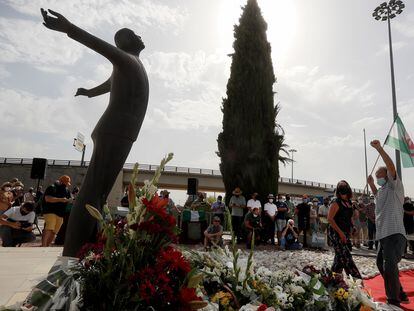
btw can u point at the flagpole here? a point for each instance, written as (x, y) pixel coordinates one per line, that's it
(376, 161)
(366, 160)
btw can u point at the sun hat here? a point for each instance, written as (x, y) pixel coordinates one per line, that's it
(237, 191)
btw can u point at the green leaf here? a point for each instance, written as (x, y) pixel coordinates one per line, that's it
(94, 212)
(195, 280)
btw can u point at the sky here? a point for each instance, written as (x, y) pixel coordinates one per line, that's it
(330, 59)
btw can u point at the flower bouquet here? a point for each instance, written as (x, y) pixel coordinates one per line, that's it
(133, 265)
(231, 282)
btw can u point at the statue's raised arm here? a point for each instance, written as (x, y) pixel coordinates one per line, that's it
(56, 21)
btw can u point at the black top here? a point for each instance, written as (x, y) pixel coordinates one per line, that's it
(281, 215)
(58, 191)
(303, 210)
(343, 216)
(253, 221)
(409, 219)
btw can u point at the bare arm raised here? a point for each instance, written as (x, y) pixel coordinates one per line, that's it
(385, 157)
(56, 21)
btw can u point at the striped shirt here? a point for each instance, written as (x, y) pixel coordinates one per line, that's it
(389, 212)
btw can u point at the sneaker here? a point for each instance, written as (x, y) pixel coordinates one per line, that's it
(404, 298)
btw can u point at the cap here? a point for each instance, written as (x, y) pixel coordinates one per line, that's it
(65, 179)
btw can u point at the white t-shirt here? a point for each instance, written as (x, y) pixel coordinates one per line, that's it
(254, 203)
(270, 208)
(14, 213)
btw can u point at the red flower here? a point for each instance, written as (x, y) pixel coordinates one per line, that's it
(147, 290)
(173, 260)
(96, 248)
(187, 295)
(262, 307)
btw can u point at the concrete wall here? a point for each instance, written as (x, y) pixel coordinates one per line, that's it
(168, 180)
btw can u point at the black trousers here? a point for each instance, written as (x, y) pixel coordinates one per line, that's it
(237, 222)
(390, 252)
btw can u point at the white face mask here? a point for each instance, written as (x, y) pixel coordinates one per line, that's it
(271, 200)
(254, 215)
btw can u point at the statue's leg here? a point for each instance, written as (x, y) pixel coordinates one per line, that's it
(108, 157)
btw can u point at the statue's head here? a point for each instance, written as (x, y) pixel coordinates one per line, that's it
(128, 41)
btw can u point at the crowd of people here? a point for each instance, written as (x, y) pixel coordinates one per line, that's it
(382, 220)
(19, 211)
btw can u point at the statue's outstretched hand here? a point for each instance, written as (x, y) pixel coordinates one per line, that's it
(81, 91)
(60, 23)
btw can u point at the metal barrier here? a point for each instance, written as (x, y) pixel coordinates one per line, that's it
(170, 169)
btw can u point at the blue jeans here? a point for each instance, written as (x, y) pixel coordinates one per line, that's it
(290, 246)
(11, 237)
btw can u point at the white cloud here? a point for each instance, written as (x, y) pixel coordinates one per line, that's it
(396, 46)
(323, 90)
(37, 115)
(93, 13)
(199, 113)
(29, 42)
(4, 73)
(179, 70)
(368, 122)
(297, 125)
(406, 25)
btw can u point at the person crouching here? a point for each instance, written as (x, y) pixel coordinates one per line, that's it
(16, 225)
(253, 223)
(213, 234)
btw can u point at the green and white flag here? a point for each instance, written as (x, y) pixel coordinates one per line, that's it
(400, 140)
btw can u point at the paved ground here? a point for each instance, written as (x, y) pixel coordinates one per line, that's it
(21, 268)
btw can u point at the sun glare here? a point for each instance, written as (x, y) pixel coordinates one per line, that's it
(280, 16)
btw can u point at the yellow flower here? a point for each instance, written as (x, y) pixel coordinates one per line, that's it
(217, 296)
(224, 301)
(341, 291)
(346, 294)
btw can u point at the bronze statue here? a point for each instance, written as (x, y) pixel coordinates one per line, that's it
(116, 130)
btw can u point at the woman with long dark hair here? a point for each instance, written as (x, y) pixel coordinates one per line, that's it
(340, 220)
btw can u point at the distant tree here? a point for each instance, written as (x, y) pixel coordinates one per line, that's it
(251, 141)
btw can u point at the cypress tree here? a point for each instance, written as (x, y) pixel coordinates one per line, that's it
(250, 142)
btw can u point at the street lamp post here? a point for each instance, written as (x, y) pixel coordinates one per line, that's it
(385, 12)
(292, 151)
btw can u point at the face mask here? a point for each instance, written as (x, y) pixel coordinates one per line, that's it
(315, 203)
(270, 200)
(305, 200)
(371, 201)
(254, 215)
(381, 181)
(343, 190)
